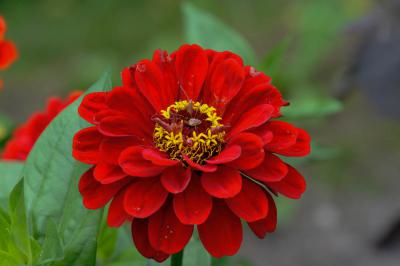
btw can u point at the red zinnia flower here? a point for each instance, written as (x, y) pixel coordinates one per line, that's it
(189, 139)
(25, 136)
(8, 51)
(8, 54)
(3, 27)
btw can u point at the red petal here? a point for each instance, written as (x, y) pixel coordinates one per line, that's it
(191, 67)
(127, 76)
(292, 185)
(274, 97)
(121, 126)
(144, 197)
(116, 214)
(267, 224)
(142, 243)
(8, 53)
(104, 114)
(284, 135)
(193, 205)
(226, 182)
(246, 99)
(167, 233)
(252, 151)
(252, 118)
(85, 147)
(271, 169)
(264, 133)
(226, 82)
(301, 147)
(108, 173)
(207, 168)
(95, 195)
(250, 204)
(176, 179)
(150, 82)
(158, 157)
(222, 233)
(167, 66)
(111, 148)
(129, 102)
(133, 163)
(215, 59)
(228, 154)
(122, 99)
(92, 104)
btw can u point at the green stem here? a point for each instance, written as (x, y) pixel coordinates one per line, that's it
(177, 259)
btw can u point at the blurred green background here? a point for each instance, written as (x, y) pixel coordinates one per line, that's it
(305, 45)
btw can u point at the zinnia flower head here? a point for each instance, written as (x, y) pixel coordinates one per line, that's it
(25, 136)
(190, 139)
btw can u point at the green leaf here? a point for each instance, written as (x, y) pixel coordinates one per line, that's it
(273, 61)
(19, 233)
(7, 259)
(310, 106)
(5, 223)
(124, 253)
(10, 175)
(51, 178)
(52, 246)
(195, 254)
(155, 263)
(230, 261)
(5, 128)
(107, 241)
(206, 30)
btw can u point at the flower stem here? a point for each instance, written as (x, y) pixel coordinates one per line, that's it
(177, 259)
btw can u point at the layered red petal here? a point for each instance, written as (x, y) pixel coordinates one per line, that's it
(107, 173)
(252, 118)
(284, 135)
(140, 238)
(150, 82)
(86, 143)
(252, 152)
(229, 154)
(268, 224)
(222, 232)
(167, 233)
(116, 213)
(144, 197)
(226, 182)
(132, 162)
(251, 204)
(271, 169)
(92, 104)
(176, 179)
(193, 205)
(292, 185)
(300, 148)
(95, 195)
(191, 68)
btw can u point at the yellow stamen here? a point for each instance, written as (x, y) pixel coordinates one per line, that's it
(199, 146)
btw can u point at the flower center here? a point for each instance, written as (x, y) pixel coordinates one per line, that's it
(189, 128)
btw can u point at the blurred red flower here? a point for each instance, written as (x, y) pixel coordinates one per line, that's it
(25, 136)
(8, 54)
(3, 27)
(190, 138)
(8, 51)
